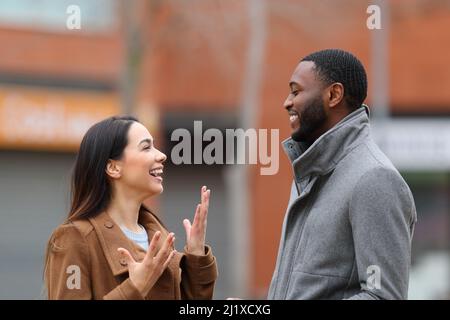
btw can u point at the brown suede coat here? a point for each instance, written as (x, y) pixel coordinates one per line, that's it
(83, 263)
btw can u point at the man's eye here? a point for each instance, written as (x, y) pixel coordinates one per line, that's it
(147, 148)
(294, 93)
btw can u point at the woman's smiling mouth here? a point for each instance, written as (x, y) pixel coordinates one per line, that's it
(157, 173)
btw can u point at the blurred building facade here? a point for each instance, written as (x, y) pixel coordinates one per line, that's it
(228, 64)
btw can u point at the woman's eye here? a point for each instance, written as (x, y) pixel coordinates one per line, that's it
(147, 148)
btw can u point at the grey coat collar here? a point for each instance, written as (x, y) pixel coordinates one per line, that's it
(326, 152)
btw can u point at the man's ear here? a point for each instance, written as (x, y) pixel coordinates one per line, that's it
(335, 94)
(113, 169)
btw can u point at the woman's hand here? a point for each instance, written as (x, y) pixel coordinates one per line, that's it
(145, 274)
(196, 233)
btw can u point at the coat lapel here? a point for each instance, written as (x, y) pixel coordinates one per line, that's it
(111, 238)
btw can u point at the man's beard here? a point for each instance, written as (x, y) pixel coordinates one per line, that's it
(312, 117)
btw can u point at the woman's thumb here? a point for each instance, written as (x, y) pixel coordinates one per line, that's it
(126, 254)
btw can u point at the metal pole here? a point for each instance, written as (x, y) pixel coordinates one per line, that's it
(380, 64)
(238, 175)
(131, 56)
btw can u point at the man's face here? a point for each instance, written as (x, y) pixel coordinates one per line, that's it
(305, 103)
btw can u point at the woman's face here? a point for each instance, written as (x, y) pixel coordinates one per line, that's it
(141, 166)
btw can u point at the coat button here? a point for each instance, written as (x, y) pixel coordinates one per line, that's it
(109, 224)
(123, 262)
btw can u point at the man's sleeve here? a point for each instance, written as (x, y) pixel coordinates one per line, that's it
(382, 215)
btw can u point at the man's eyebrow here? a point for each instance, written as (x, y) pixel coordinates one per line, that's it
(146, 140)
(293, 83)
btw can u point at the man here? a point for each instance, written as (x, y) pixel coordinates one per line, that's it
(350, 218)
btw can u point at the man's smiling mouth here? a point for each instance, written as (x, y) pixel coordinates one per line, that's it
(293, 115)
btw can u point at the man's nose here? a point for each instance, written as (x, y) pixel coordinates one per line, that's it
(288, 103)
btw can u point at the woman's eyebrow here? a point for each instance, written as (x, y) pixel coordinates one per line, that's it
(149, 141)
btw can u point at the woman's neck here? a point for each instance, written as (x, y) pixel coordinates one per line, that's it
(124, 211)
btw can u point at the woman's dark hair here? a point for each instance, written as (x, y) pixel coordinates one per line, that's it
(91, 190)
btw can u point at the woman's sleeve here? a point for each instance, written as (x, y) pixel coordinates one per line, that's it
(68, 271)
(198, 275)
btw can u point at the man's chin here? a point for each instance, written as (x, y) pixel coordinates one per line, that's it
(297, 136)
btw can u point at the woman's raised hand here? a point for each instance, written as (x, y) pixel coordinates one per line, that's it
(196, 233)
(145, 274)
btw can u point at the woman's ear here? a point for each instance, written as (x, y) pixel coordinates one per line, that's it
(113, 169)
(335, 94)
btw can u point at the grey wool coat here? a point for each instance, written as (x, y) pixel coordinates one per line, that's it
(350, 220)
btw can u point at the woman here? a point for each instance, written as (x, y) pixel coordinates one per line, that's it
(102, 250)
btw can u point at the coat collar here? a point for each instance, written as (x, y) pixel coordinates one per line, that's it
(111, 238)
(326, 152)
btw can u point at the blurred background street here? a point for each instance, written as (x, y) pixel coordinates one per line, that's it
(227, 63)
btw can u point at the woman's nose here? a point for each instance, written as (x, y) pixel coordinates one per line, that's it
(161, 157)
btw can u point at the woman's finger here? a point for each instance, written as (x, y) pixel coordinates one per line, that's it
(187, 227)
(153, 247)
(169, 258)
(204, 208)
(164, 252)
(206, 203)
(197, 215)
(126, 254)
(203, 195)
